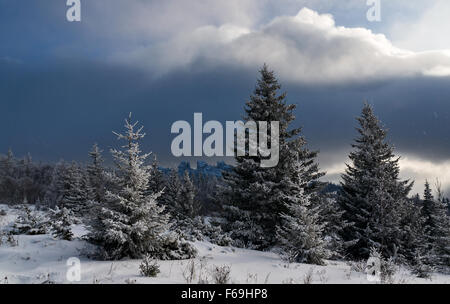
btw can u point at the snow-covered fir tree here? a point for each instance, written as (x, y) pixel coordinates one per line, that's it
(96, 175)
(206, 187)
(156, 182)
(29, 222)
(77, 193)
(61, 221)
(428, 206)
(180, 197)
(437, 228)
(254, 197)
(301, 232)
(188, 205)
(331, 215)
(372, 194)
(172, 192)
(130, 223)
(413, 240)
(58, 185)
(8, 180)
(25, 181)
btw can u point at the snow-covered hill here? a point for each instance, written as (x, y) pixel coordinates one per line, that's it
(37, 259)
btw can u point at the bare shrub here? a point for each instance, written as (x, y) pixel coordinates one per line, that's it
(359, 266)
(189, 273)
(252, 278)
(149, 267)
(307, 279)
(323, 278)
(221, 274)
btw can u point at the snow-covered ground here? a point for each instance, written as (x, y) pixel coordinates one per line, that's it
(36, 259)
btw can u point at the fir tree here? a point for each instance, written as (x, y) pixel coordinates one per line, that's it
(8, 179)
(428, 205)
(172, 193)
(156, 183)
(414, 244)
(61, 221)
(437, 227)
(96, 174)
(372, 194)
(188, 204)
(58, 185)
(29, 222)
(77, 192)
(181, 199)
(254, 197)
(332, 216)
(131, 222)
(300, 234)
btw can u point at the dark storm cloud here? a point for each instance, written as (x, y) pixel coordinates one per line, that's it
(60, 110)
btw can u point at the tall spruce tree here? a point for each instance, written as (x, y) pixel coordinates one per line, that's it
(254, 197)
(372, 194)
(131, 222)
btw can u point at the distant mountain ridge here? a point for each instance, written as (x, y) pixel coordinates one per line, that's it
(203, 168)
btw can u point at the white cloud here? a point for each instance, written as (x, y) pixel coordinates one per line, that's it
(305, 48)
(411, 167)
(429, 31)
(423, 170)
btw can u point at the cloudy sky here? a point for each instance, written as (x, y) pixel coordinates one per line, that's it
(65, 85)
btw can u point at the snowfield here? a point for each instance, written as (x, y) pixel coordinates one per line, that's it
(41, 258)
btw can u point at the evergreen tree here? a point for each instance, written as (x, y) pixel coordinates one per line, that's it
(441, 236)
(156, 183)
(414, 244)
(8, 179)
(372, 194)
(437, 227)
(77, 192)
(58, 185)
(254, 197)
(206, 187)
(172, 192)
(300, 233)
(29, 222)
(25, 181)
(96, 174)
(131, 222)
(188, 204)
(181, 201)
(332, 216)
(61, 221)
(428, 205)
